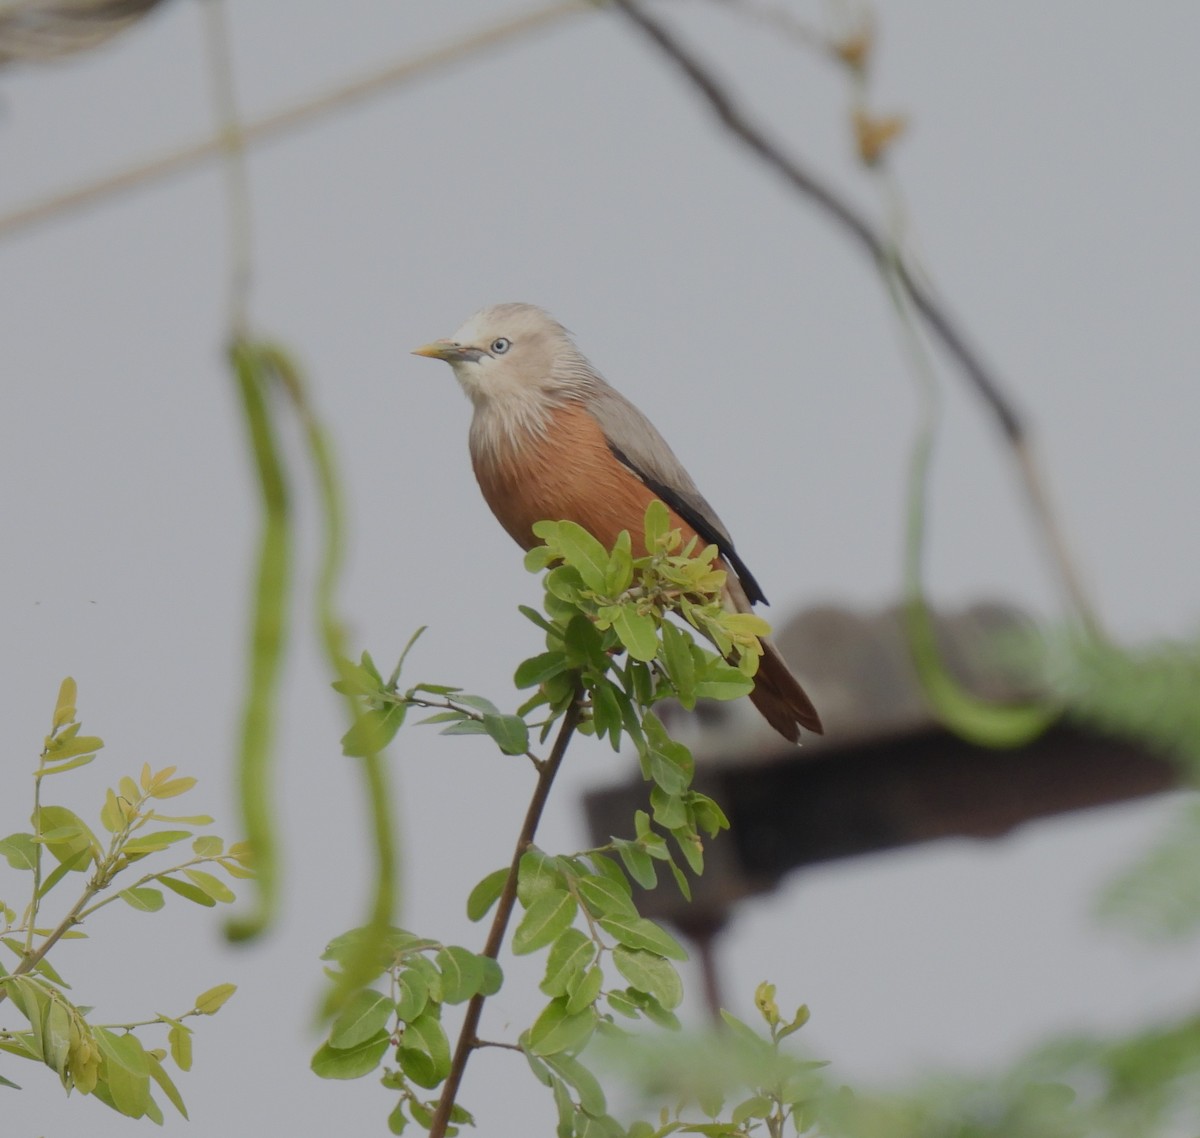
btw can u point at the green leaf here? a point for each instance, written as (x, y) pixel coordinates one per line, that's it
(677, 655)
(492, 979)
(569, 957)
(60, 768)
(537, 873)
(432, 977)
(583, 552)
(210, 1002)
(208, 846)
(124, 1072)
(591, 1096)
(397, 1121)
(658, 524)
(604, 898)
(66, 835)
(509, 731)
(637, 862)
(618, 575)
(486, 893)
(462, 973)
(538, 669)
(188, 890)
(373, 730)
(555, 1030)
(648, 972)
(544, 920)
(670, 810)
(722, 681)
(352, 1062)
(425, 1051)
(19, 850)
(636, 631)
(478, 703)
(412, 994)
(142, 897)
(64, 706)
(179, 1039)
(582, 992)
(759, 1106)
(211, 886)
(464, 727)
(151, 843)
(160, 1076)
(622, 1004)
(638, 932)
(365, 1015)
(607, 713)
(77, 861)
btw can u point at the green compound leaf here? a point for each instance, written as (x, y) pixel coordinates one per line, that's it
(638, 932)
(353, 1062)
(551, 914)
(362, 1019)
(486, 894)
(648, 972)
(569, 957)
(462, 973)
(555, 1030)
(425, 1051)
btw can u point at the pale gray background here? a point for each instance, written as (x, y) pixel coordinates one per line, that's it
(1052, 172)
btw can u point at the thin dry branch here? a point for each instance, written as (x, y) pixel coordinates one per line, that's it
(931, 309)
(302, 113)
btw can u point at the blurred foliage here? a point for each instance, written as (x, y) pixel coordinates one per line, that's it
(270, 383)
(109, 1061)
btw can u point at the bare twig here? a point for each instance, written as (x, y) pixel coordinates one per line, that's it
(931, 309)
(468, 1038)
(297, 115)
(237, 179)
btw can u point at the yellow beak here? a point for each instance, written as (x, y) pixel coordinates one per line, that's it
(439, 350)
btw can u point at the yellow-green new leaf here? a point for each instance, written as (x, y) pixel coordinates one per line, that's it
(211, 886)
(210, 1002)
(160, 1076)
(179, 1039)
(64, 707)
(143, 898)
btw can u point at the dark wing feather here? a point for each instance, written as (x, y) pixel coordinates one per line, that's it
(637, 445)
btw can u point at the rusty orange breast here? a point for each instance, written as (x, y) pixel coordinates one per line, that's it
(568, 475)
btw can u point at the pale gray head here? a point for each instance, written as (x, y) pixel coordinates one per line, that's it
(514, 353)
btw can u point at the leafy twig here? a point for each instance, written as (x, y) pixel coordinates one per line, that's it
(467, 1038)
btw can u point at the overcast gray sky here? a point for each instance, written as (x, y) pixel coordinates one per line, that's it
(1051, 171)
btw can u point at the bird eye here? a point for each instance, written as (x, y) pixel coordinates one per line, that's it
(500, 345)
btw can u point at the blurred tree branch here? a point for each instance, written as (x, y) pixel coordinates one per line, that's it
(299, 114)
(931, 309)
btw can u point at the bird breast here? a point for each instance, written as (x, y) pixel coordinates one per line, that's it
(560, 469)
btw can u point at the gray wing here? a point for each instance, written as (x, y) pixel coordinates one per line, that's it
(637, 445)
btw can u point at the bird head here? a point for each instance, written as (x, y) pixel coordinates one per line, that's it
(511, 350)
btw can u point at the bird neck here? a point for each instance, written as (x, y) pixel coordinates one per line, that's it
(503, 424)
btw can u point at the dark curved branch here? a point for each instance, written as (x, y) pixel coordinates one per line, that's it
(934, 313)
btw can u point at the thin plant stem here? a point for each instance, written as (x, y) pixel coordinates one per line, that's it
(468, 1038)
